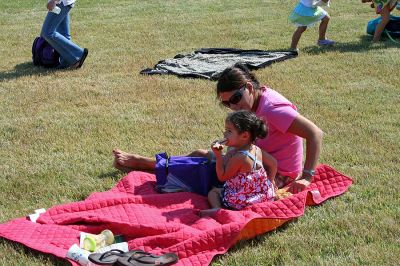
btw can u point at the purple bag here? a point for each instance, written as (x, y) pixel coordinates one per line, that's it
(43, 54)
(182, 173)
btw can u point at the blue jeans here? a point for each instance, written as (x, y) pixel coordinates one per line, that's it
(56, 31)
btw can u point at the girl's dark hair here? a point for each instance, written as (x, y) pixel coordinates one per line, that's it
(247, 121)
(234, 77)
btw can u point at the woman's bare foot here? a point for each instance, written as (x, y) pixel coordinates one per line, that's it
(118, 162)
(128, 162)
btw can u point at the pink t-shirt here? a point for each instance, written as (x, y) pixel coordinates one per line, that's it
(286, 147)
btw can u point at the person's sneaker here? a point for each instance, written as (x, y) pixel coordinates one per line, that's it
(79, 63)
(325, 42)
(294, 50)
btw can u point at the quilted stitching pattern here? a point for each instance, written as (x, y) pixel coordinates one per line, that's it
(160, 223)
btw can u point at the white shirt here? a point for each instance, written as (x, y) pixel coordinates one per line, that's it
(65, 2)
(314, 3)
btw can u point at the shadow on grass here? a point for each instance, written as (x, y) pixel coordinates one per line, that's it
(114, 175)
(361, 46)
(21, 249)
(25, 69)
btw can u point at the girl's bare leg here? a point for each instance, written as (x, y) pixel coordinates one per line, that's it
(385, 14)
(214, 198)
(296, 36)
(323, 26)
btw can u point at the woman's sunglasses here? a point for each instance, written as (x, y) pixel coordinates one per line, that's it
(235, 98)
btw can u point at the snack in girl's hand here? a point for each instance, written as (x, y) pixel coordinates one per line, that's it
(219, 144)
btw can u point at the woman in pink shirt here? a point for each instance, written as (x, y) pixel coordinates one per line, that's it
(238, 89)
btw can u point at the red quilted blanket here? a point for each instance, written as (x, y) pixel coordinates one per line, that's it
(161, 223)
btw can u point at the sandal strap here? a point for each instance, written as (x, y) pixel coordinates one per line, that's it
(112, 252)
(148, 258)
(143, 254)
(138, 255)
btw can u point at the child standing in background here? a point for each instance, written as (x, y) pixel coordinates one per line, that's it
(242, 167)
(383, 8)
(307, 13)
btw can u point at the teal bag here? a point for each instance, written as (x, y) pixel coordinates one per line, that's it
(392, 29)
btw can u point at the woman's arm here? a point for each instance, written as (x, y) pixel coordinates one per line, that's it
(306, 129)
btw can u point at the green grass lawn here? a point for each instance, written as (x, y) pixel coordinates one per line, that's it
(57, 128)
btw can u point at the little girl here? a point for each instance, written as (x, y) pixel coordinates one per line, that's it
(382, 7)
(241, 168)
(307, 13)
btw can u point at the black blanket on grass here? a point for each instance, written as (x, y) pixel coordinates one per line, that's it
(210, 62)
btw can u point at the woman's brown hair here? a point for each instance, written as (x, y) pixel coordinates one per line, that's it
(234, 77)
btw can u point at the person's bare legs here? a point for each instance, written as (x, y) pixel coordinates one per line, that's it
(130, 162)
(323, 26)
(296, 36)
(214, 198)
(385, 14)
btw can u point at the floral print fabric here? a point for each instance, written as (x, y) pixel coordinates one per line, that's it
(248, 188)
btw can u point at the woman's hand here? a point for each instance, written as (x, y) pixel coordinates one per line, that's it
(299, 185)
(51, 4)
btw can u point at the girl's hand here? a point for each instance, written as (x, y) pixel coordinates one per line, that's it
(51, 4)
(217, 148)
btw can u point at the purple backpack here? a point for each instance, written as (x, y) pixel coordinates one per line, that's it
(43, 54)
(183, 173)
